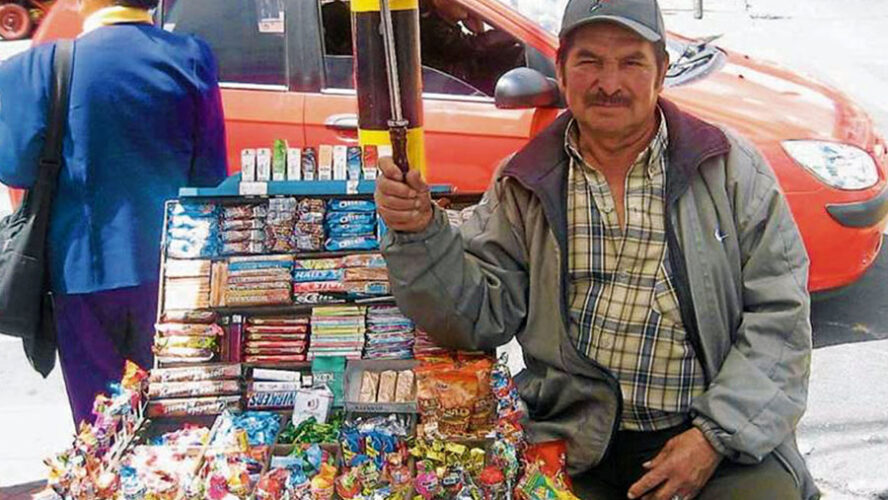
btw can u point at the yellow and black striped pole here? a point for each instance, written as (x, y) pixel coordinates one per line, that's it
(371, 77)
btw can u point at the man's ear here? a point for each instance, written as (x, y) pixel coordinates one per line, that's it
(662, 70)
(560, 77)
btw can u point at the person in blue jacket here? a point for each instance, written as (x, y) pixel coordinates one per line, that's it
(145, 119)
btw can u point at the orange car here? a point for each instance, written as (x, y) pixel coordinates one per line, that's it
(285, 68)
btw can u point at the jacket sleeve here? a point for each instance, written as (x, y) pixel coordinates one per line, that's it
(759, 394)
(25, 81)
(467, 288)
(208, 166)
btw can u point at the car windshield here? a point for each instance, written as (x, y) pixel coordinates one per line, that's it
(689, 61)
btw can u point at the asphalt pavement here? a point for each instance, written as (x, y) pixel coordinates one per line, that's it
(844, 434)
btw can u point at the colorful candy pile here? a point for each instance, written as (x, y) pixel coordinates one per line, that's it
(375, 459)
(310, 431)
(308, 472)
(259, 428)
(88, 469)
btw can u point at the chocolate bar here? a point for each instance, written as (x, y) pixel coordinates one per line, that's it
(162, 390)
(195, 373)
(192, 406)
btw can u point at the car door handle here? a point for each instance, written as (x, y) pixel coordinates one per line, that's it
(342, 122)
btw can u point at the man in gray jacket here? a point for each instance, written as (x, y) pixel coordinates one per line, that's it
(649, 267)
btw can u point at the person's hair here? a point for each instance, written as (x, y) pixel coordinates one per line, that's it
(138, 4)
(567, 42)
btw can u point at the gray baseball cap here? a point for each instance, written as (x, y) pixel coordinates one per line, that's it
(641, 16)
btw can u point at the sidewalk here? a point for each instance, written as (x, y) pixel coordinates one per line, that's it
(844, 434)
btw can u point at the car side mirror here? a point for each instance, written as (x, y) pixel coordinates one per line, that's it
(523, 88)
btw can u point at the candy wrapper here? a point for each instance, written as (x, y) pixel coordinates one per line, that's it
(199, 210)
(162, 390)
(375, 456)
(255, 211)
(268, 400)
(260, 428)
(309, 472)
(196, 373)
(302, 275)
(535, 485)
(310, 431)
(189, 316)
(345, 230)
(243, 224)
(352, 243)
(286, 321)
(192, 406)
(347, 218)
(351, 206)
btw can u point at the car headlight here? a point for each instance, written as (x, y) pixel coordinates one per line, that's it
(841, 166)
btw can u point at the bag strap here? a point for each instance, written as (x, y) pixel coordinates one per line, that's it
(51, 156)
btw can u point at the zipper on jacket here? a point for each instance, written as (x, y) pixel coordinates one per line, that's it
(789, 468)
(611, 380)
(683, 289)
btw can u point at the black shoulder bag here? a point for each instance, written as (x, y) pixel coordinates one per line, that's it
(25, 299)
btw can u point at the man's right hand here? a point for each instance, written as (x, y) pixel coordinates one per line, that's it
(403, 202)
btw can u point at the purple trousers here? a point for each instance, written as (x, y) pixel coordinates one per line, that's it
(97, 332)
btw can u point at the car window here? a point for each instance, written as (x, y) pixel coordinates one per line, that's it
(462, 57)
(247, 36)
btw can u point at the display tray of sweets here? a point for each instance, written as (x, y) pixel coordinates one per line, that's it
(372, 386)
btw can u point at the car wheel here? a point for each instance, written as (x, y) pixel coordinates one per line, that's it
(15, 21)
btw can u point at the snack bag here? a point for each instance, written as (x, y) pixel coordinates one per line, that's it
(457, 391)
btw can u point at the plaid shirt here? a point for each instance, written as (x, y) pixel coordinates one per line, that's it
(623, 308)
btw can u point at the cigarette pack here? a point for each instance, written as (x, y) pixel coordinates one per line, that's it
(325, 162)
(354, 162)
(294, 164)
(276, 386)
(279, 161)
(248, 165)
(371, 160)
(309, 164)
(276, 375)
(263, 165)
(340, 170)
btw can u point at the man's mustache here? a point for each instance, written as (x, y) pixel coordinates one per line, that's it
(601, 99)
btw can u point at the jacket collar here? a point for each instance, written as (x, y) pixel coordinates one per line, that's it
(116, 14)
